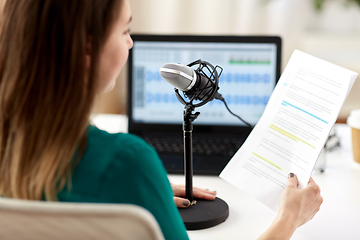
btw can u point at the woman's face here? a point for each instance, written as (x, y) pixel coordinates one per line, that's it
(116, 49)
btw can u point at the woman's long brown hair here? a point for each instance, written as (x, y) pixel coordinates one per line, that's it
(46, 92)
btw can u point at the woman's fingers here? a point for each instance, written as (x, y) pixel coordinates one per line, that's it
(204, 194)
(181, 202)
(179, 191)
(292, 180)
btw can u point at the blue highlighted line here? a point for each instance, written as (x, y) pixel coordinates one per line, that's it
(284, 103)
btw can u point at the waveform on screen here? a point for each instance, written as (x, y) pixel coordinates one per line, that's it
(167, 98)
(161, 98)
(224, 78)
(250, 62)
(153, 76)
(244, 78)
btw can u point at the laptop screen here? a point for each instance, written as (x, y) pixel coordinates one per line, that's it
(250, 72)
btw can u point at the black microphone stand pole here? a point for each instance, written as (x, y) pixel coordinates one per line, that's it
(189, 117)
(202, 213)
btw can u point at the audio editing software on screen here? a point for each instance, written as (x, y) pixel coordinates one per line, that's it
(246, 82)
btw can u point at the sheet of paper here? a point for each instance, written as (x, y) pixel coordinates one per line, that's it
(292, 130)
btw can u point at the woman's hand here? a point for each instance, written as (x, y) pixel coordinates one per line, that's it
(179, 193)
(300, 205)
(297, 206)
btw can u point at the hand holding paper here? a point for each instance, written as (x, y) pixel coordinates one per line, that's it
(293, 129)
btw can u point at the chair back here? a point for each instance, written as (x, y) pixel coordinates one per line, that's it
(40, 220)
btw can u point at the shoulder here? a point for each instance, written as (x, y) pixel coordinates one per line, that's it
(125, 149)
(115, 157)
(120, 142)
(114, 139)
(132, 167)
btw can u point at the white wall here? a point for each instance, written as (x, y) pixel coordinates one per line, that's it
(222, 17)
(333, 34)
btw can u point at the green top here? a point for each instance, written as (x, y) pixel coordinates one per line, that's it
(122, 168)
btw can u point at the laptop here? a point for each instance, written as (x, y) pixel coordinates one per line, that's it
(251, 68)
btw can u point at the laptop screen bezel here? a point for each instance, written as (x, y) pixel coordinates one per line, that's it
(141, 128)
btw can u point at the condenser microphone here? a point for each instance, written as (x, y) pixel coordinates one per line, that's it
(200, 84)
(188, 80)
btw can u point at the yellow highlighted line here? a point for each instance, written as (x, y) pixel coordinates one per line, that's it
(289, 135)
(267, 161)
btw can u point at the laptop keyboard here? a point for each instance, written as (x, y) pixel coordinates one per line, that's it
(203, 146)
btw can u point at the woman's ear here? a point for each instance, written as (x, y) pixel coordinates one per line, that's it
(87, 61)
(88, 53)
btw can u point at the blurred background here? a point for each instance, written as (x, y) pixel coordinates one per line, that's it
(328, 29)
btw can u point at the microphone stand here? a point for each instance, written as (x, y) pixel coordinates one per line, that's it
(201, 213)
(189, 117)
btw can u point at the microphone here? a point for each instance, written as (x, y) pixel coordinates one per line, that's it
(201, 84)
(193, 83)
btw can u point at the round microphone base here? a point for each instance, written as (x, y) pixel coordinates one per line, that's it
(204, 214)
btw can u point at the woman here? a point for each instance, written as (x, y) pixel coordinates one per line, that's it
(56, 57)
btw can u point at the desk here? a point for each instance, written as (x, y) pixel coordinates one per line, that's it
(338, 218)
